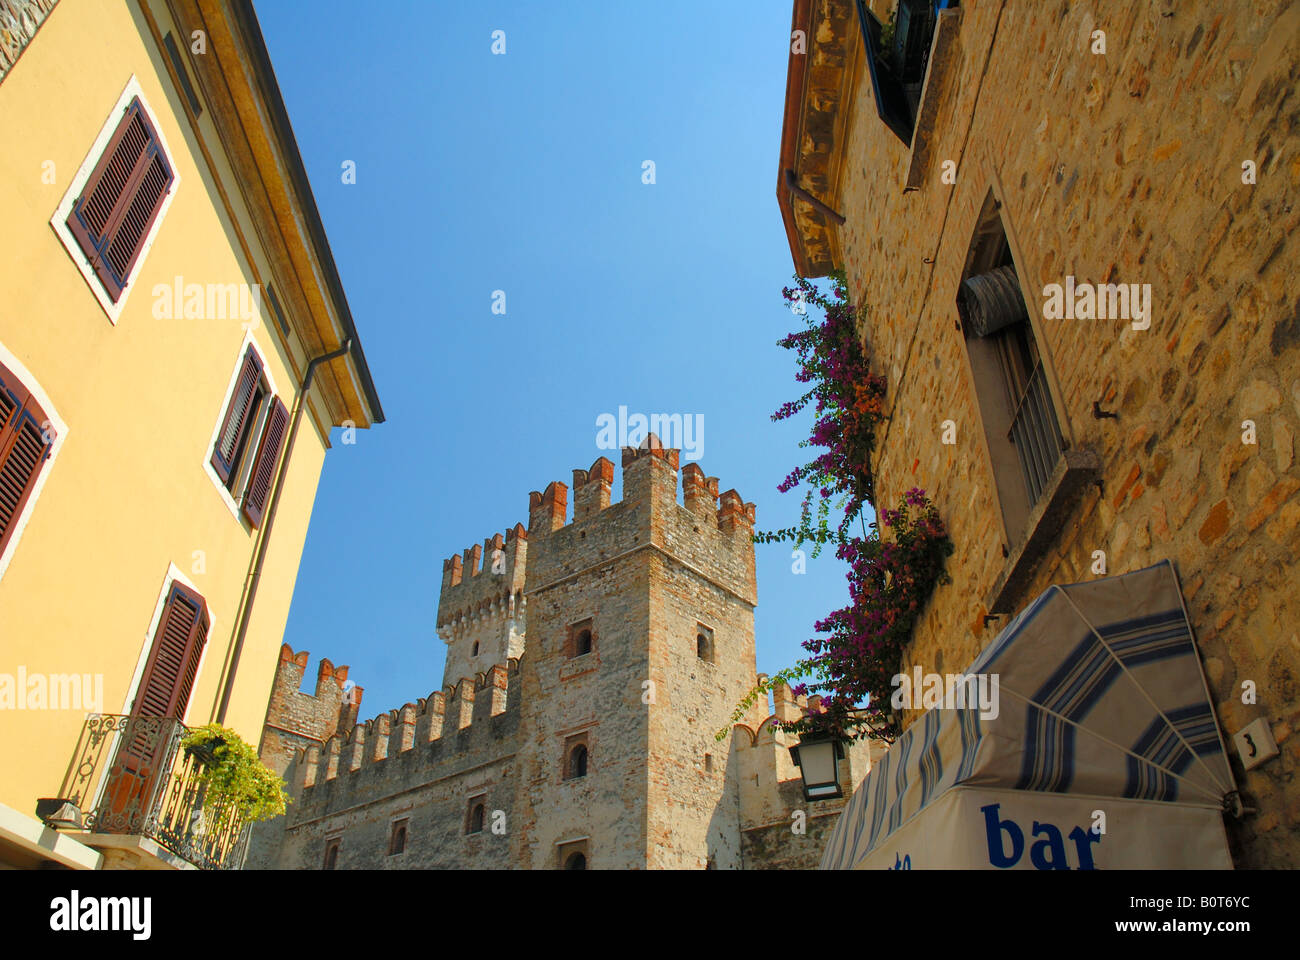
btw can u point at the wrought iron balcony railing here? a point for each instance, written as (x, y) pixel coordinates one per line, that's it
(131, 776)
(19, 21)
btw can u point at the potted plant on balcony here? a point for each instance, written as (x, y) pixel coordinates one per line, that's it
(230, 771)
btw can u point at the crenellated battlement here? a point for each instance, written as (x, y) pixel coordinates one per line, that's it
(649, 475)
(465, 718)
(294, 718)
(771, 784)
(484, 580)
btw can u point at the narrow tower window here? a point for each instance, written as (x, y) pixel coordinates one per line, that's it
(581, 640)
(476, 813)
(397, 842)
(703, 643)
(578, 762)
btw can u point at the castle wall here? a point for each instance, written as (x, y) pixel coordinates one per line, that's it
(297, 720)
(425, 764)
(703, 577)
(779, 828)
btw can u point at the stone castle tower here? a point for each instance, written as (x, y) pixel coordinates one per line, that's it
(588, 666)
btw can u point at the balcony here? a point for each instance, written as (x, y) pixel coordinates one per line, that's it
(134, 793)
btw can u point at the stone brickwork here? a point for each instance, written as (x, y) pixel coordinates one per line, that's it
(1125, 167)
(663, 592)
(305, 720)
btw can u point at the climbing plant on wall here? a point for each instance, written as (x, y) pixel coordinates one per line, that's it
(859, 649)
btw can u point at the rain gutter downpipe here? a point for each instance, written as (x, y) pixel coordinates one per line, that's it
(264, 539)
(792, 182)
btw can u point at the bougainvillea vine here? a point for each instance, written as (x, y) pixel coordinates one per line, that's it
(859, 649)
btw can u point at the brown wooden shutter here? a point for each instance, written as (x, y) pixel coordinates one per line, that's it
(121, 200)
(238, 418)
(268, 456)
(24, 448)
(173, 663)
(139, 770)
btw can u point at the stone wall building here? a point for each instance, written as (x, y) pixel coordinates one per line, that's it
(1060, 143)
(590, 662)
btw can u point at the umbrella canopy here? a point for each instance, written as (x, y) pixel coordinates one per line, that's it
(1101, 708)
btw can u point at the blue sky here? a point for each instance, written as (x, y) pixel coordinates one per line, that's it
(522, 172)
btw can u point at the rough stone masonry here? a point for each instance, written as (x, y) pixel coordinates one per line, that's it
(1169, 159)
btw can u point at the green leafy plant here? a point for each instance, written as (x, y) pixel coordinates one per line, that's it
(887, 30)
(232, 772)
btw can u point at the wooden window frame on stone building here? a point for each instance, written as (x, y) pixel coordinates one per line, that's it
(476, 802)
(398, 834)
(573, 638)
(913, 124)
(333, 846)
(1029, 523)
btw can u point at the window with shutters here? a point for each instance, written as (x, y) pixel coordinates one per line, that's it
(29, 438)
(116, 202)
(1019, 419)
(244, 457)
(1036, 472)
(174, 655)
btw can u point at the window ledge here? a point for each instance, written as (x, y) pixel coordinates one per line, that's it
(943, 54)
(1074, 472)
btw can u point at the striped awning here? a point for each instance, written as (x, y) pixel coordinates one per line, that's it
(1102, 708)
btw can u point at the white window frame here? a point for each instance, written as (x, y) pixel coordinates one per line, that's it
(30, 383)
(60, 219)
(234, 497)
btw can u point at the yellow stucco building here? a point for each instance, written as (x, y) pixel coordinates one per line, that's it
(168, 297)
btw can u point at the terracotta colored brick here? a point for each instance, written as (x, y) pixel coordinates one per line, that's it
(1216, 523)
(1122, 492)
(1281, 491)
